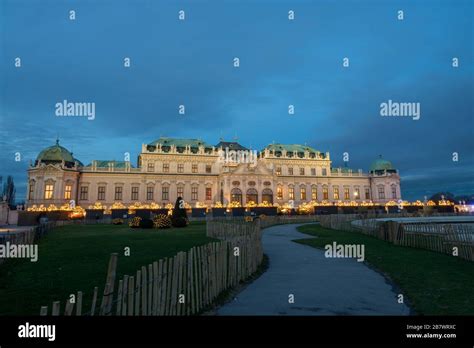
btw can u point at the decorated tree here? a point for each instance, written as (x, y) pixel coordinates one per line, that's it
(179, 217)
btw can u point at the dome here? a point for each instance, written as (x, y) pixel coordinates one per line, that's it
(55, 153)
(381, 164)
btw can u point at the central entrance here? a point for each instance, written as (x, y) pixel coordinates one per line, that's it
(252, 196)
(236, 196)
(267, 196)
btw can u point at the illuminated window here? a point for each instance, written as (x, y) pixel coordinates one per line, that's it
(194, 168)
(291, 193)
(279, 192)
(166, 167)
(101, 193)
(336, 193)
(314, 193)
(208, 193)
(84, 193)
(357, 193)
(49, 191)
(67, 191)
(303, 193)
(235, 195)
(278, 171)
(325, 193)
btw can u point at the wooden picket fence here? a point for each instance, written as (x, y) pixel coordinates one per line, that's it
(441, 238)
(181, 285)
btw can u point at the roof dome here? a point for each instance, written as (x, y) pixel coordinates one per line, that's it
(381, 164)
(55, 153)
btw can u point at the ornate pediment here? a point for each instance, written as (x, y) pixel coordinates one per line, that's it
(50, 168)
(249, 168)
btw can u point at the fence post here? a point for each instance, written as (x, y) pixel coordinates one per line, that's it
(56, 308)
(94, 300)
(107, 298)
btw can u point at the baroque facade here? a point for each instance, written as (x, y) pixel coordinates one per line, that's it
(203, 174)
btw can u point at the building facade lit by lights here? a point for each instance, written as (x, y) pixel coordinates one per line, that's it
(204, 174)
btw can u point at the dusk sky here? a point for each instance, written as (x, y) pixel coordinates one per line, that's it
(282, 62)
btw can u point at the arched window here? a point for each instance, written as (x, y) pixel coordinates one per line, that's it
(236, 195)
(267, 196)
(252, 196)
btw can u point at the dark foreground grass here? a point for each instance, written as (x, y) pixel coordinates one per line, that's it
(436, 284)
(75, 257)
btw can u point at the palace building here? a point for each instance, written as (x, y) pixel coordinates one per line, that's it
(205, 174)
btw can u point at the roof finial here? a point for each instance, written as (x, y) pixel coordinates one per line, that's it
(57, 140)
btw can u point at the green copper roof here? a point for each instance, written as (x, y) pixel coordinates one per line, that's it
(381, 164)
(180, 142)
(105, 164)
(290, 148)
(55, 153)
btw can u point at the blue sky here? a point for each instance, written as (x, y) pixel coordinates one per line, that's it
(282, 62)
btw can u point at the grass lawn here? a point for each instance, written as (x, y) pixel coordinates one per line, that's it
(436, 284)
(75, 257)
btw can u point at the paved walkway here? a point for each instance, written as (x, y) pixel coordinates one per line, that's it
(320, 285)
